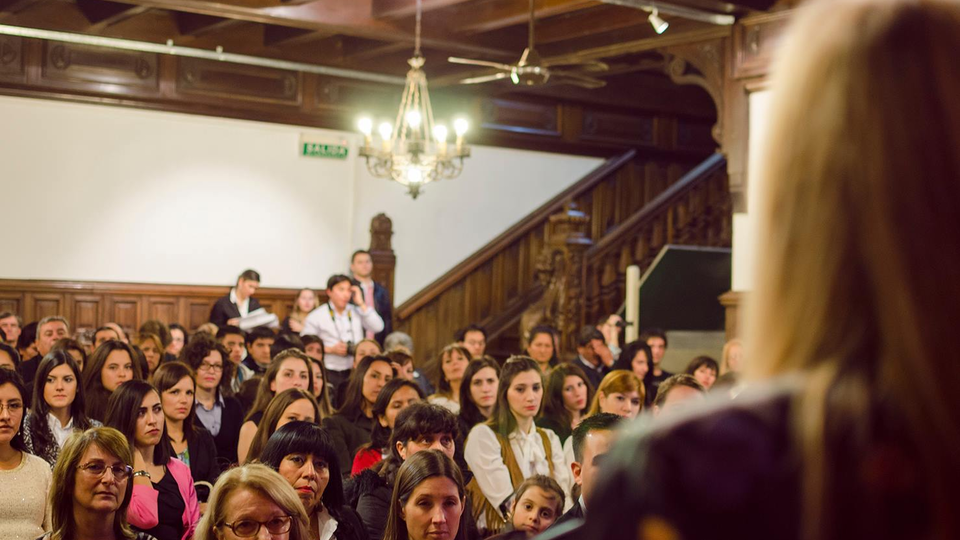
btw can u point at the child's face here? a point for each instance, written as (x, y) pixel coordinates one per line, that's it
(536, 510)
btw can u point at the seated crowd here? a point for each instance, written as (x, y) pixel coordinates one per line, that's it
(203, 414)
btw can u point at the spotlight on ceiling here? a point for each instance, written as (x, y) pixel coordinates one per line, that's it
(659, 25)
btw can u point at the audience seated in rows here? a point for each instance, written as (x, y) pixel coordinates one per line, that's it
(395, 396)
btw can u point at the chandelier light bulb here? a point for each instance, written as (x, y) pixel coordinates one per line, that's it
(366, 125)
(385, 130)
(413, 119)
(440, 133)
(460, 126)
(414, 174)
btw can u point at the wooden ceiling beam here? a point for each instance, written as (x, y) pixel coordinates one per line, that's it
(587, 23)
(497, 14)
(397, 9)
(193, 24)
(277, 36)
(102, 14)
(13, 7)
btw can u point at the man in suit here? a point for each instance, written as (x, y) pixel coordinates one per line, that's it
(375, 295)
(592, 439)
(239, 303)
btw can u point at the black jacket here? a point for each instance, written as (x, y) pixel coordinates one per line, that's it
(371, 495)
(28, 372)
(349, 526)
(381, 303)
(203, 459)
(225, 310)
(225, 443)
(574, 513)
(348, 432)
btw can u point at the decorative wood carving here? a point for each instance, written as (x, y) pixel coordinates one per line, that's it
(11, 57)
(209, 78)
(68, 63)
(381, 252)
(520, 117)
(611, 127)
(700, 64)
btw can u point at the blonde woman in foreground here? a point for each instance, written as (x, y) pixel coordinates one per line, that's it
(851, 426)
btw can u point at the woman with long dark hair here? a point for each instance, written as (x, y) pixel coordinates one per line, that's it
(351, 427)
(293, 405)
(301, 452)
(541, 346)
(478, 393)
(111, 364)
(565, 400)
(508, 448)
(428, 500)
(189, 442)
(58, 406)
(451, 364)
(397, 395)
(164, 502)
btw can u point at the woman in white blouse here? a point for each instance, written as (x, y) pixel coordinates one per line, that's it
(509, 448)
(58, 406)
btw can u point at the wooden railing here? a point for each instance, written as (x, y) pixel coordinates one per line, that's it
(495, 285)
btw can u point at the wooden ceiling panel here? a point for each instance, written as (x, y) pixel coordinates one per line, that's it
(154, 26)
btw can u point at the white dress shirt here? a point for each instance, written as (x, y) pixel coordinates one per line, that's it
(60, 434)
(445, 402)
(242, 307)
(345, 327)
(482, 454)
(327, 524)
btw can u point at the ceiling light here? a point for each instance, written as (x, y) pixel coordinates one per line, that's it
(659, 25)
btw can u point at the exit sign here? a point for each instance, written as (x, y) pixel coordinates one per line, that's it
(322, 150)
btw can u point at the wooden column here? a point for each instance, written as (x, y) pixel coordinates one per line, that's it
(381, 251)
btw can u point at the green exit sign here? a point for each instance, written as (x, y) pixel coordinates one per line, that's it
(320, 150)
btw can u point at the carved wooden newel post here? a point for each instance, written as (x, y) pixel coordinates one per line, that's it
(381, 252)
(560, 272)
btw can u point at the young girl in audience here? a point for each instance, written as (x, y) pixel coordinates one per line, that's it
(58, 406)
(293, 405)
(164, 502)
(509, 448)
(351, 426)
(178, 338)
(111, 364)
(397, 395)
(153, 351)
(539, 503)
(421, 426)
(452, 362)
(704, 369)
(478, 392)
(190, 443)
(429, 500)
(621, 393)
(216, 410)
(92, 488)
(305, 302)
(541, 347)
(253, 501)
(25, 478)
(289, 369)
(74, 348)
(565, 401)
(301, 452)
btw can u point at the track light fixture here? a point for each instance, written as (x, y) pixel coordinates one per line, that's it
(659, 25)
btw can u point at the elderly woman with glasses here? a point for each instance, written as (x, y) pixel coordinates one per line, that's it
(92, 488)
(247, 500)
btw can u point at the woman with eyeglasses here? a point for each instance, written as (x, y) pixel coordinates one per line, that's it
(58, 406)
(301, 452)
(92, 488)
(247, 500)
(189, 442)
(110, 365)
(216, 410)
(164, 502)
(25, 478)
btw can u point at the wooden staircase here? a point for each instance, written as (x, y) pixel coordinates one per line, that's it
(620, 214)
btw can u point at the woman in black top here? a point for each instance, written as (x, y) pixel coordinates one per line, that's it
(301, 452)
(566, 399)
(189, 442)
(216, 410)
(351, 426)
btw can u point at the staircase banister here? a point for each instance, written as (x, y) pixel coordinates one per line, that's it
(516, 232)
(708, 167)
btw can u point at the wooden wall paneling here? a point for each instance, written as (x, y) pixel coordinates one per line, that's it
(11, 58)
(162, 308)
(536, 118)
(197, 312)
(87, 312)
(126, 311)
(12, 302)
(85, 66)
(755, 41)
(221, 79)
(40, 305)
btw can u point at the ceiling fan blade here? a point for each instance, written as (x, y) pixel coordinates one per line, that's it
(586, 65)
(485, 78)
(561, 77)
(472, 62)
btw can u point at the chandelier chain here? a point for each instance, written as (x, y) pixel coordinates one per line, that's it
(416, 46)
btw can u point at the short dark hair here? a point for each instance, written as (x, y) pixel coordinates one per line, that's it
(9, 376)
(28, 336)
(249, 275)
(598, 422)
(14, 355)
(461, 334)
(359, 252)
(122, 411)
(178, 326)
(306, 438)
(336, 279)
(654, 333)
(198, 348)
(230, 330)
(421, 419)
(700, 362)
(284, 341)
(7, 314)
(260, 332)
(588, 334)
(629, 352)
(674, 381)
(380, 436)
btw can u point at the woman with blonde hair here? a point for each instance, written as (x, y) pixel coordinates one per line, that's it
(305, 302)
(731, 358)
(250, 498)
(620, 393)
(851, 427)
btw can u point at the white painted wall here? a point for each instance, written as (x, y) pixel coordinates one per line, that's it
(745, 223)
(452, 219)
(114, 194)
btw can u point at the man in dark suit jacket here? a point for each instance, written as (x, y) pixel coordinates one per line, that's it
(361, 267)
(240, 301)
(591, 440)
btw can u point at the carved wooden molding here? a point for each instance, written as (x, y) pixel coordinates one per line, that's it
(700, 64)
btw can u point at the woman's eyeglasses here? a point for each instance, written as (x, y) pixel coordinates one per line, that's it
(97, 469)
(246, 528)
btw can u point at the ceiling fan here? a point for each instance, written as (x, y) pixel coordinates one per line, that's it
(532, 70)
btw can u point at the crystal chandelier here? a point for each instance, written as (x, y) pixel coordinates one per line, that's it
(414, 150)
